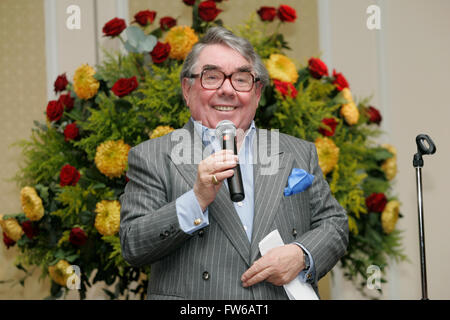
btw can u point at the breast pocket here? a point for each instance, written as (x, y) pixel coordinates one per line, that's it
(294, 217)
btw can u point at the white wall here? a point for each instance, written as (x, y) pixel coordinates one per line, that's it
(405, 66)
(68, 48)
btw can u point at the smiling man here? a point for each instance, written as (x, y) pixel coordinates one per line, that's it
(179, 218)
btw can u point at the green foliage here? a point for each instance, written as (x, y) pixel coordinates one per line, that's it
(158, 101)
(162, 97)
(44, 155)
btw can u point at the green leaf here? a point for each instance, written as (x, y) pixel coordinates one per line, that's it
(137, 41)
(381, 154)
(72, 258)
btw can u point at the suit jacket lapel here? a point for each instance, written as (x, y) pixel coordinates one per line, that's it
(222, 208)
(268, 193)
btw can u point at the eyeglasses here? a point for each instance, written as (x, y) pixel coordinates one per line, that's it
(241, 81)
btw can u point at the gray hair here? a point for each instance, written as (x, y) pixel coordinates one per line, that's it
(219, 35)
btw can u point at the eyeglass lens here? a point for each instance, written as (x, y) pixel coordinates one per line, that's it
(241, 80)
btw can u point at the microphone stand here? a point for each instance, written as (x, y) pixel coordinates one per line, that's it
(424, 146)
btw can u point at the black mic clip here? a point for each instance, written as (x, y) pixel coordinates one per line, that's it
(424, 146)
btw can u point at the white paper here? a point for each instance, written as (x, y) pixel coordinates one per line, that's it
(296, 289)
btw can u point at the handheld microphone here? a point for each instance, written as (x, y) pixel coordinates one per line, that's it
(226, 132)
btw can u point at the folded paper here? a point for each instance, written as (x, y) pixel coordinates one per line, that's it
(296, 289)
(298, 181)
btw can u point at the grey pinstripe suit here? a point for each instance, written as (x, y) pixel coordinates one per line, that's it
(209, 264)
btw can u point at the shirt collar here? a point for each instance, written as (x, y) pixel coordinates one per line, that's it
(208, 134)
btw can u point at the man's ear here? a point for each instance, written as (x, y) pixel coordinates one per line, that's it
(185, 88)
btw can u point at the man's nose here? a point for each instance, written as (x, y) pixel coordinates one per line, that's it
(227, 88)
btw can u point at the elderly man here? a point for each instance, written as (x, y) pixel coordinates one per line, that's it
(178, 216)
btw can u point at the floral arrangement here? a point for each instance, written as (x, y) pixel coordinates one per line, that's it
(76, 162)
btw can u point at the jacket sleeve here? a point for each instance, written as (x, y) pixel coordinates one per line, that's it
(328, 238)
(149, 227)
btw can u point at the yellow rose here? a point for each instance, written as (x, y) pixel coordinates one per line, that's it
(389, 216)
(349, 110)
(107, 220)
(61, 272)
(84, 83)
(328, 154)
(181, 40)
(11, 227)
(389, 166)
(111, 158)
(31, 204)
(281, 68)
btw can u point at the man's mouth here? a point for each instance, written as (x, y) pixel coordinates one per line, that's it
(224, 108)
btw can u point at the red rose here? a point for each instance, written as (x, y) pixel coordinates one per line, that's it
(114, 27)
(61, 83)
(160, 52)
(55, 110)
(189, 2)
(67, 101)
(29, 230)
(331, 123)
(68, 176)
(77, 236)
(287, 13)
(339, 81)
(317, 68)
(8, 241)
(71, 131)
(207, 10)
(145, 17)
(167, 22)
(285, 88)
(267, 13)
(124, 86)
(374, 115)
(376, 202)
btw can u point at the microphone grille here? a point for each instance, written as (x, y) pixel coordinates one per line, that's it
(225, 126)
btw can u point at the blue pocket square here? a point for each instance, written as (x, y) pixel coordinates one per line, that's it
(298, 181)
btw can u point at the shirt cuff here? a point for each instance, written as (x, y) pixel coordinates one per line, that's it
(309, 275)
(190, 215)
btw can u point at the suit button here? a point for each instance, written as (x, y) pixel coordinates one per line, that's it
(294, 232)
(205, 275)
(201, 233)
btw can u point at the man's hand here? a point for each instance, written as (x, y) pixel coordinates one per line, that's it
(279, 266)
(221, 165)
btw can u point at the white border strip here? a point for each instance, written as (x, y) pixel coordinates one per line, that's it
(325, 47)
(323, 10)
(383, 76)
(385, 107)
(51, 46)
(122, 9)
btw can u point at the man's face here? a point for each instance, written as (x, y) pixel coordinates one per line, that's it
(204, 103)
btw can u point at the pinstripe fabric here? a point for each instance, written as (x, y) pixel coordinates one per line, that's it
(150, 233)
